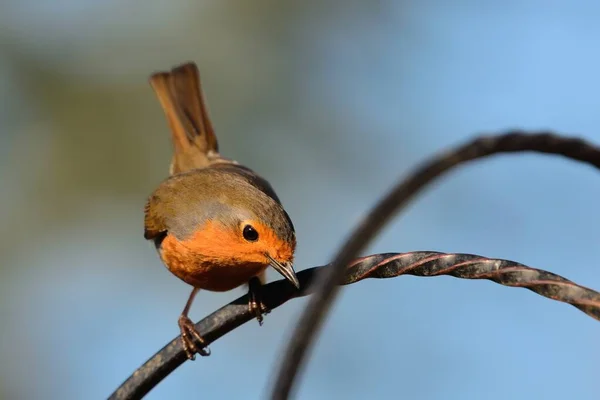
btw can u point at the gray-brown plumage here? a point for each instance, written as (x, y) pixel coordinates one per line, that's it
(222, 191)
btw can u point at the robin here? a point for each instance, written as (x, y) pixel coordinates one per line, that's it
(216, 224)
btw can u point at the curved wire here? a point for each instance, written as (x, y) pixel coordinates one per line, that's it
(420, 263)
(326, 287)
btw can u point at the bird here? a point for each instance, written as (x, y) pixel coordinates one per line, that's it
(215, 223)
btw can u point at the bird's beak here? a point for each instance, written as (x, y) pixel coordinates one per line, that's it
(286, 269)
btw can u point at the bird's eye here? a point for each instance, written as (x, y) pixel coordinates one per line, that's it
(250, 234)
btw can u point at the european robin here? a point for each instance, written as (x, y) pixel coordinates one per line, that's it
(216, 224)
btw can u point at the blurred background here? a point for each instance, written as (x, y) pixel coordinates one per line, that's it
(332, 102)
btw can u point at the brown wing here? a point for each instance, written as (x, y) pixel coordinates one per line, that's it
(163, 205)
(154, 224)
(180, 95)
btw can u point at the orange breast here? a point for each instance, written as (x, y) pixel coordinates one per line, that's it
(205, 261)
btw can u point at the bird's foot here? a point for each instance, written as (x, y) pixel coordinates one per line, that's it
(255, 303)
(190, 338)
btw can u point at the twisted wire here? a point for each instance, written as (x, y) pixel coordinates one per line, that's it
(380, 266)
(470, 266)
(326, 288)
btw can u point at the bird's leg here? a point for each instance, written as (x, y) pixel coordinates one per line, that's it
(190, 337)
(255, 303)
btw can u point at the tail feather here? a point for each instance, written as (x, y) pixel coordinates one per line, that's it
(188, 89)
(180, 95)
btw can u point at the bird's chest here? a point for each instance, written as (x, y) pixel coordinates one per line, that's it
(205, 272)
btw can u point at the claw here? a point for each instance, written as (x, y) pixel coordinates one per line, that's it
(255, 303)
(190, 338)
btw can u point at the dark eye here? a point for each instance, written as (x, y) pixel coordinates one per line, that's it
(250, 233)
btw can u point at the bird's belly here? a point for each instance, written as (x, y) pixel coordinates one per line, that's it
(206, 273)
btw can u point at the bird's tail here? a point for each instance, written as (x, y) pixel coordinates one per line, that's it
(180, 94)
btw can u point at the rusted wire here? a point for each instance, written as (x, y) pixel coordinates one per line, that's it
(315, 312)
(422, 263)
